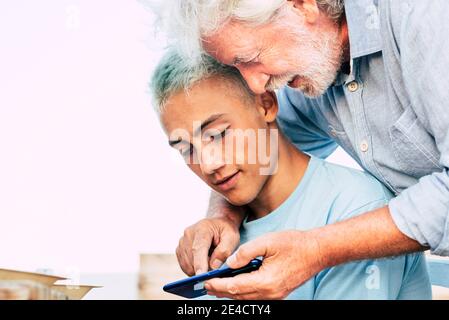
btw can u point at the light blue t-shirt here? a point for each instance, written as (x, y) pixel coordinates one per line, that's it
(329, 193)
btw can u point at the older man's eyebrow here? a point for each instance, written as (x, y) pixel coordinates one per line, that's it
(207, 122)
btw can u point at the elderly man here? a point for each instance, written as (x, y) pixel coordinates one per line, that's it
(370, 76)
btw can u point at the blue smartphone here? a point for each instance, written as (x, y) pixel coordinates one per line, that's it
(193, 287)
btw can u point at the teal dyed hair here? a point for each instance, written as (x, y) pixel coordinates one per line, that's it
(174, 73)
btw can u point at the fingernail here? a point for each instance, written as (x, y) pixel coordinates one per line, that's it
(207, 286)
(231, 259)
(217, 264)
(233, 290)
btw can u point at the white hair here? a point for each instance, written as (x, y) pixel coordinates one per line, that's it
(188, 21)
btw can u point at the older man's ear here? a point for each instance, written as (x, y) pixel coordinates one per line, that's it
(306, 8)
(267, 105)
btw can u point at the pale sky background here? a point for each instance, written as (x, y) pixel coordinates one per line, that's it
(87, 180)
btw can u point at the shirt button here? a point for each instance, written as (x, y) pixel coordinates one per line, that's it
(353, 86)
(364, 146)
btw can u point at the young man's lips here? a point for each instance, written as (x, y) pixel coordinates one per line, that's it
(229, 182)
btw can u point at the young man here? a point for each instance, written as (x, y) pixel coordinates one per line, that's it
(229, 137)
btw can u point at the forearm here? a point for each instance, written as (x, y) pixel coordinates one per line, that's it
(369, 236)
(220, 208)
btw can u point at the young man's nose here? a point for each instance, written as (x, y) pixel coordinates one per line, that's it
(256, 80)
(211, 160)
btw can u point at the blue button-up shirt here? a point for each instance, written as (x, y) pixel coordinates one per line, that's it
(391, 113)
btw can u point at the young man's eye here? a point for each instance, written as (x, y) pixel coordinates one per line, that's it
(216, 134)
(219, 136)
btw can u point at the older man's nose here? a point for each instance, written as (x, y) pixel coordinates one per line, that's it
(257, 81)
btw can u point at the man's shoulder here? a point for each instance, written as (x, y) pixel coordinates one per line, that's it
(349, 179)
(408, 18)
(354, 191)
(298, 111)
(292, 103)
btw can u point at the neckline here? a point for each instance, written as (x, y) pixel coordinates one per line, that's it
(293, 197)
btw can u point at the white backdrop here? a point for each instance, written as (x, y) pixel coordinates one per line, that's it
(87, 180)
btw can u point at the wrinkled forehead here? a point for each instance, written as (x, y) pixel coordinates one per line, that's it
(231, 41)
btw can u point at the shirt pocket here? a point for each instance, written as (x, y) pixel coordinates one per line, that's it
(413, 146)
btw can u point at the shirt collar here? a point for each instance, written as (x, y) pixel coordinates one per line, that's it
(363, 21)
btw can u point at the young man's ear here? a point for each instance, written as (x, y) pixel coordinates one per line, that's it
(267, 105)
(307, 8)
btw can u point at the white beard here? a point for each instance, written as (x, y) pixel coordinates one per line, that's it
(325, 57)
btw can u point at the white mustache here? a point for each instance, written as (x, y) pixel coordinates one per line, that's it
(278, 82)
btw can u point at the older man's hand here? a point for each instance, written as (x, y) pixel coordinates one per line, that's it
(218, 236)
(289, 259)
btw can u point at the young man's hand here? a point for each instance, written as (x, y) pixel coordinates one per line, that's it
(290, 258)
(217, 235)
